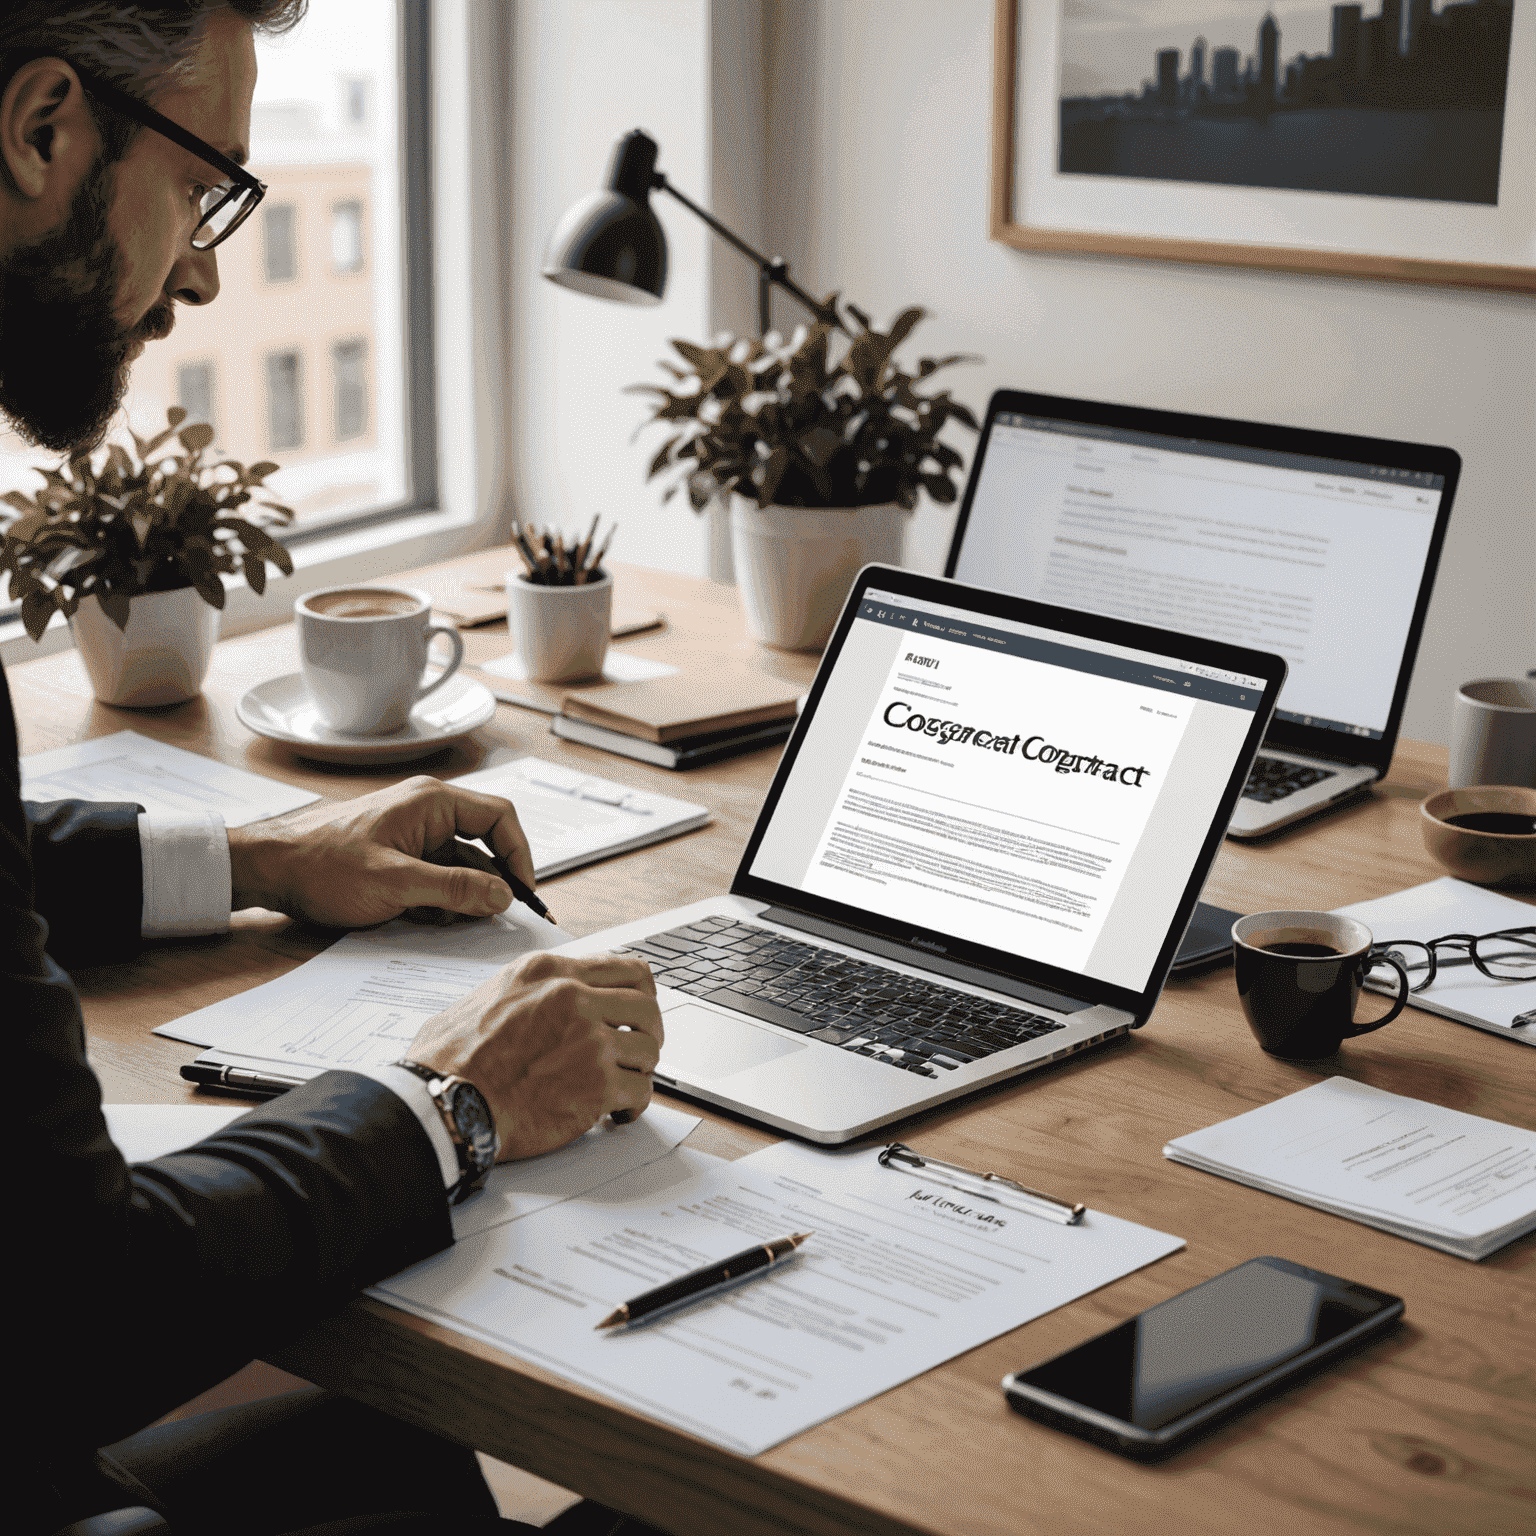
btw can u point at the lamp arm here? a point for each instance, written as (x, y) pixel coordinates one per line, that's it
(771, 269)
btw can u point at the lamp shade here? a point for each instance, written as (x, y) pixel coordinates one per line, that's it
(611, 244)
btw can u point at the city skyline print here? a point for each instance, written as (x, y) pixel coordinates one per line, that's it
(1400, 99)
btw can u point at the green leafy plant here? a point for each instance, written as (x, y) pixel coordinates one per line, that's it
(825, 420)
(114, 529)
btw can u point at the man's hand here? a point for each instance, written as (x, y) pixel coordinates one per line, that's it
(554, 1042)
(360, 863)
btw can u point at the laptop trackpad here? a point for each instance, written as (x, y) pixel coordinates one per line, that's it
(702, 1044)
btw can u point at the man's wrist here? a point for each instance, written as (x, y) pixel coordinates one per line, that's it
(254, 856)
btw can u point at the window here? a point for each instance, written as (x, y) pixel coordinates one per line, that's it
(349, 360)
(347, 237)
(281, 247)
(281, 293)
(194, 390)
(354, 102)
(285, 402)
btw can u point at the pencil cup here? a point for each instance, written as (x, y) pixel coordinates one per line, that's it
(560, 633)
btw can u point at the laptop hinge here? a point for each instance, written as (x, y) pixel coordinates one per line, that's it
(842, 934)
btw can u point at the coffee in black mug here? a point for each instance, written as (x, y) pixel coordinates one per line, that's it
(1299, 976)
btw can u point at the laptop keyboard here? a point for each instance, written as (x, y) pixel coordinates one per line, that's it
(903, 1021)
(1273, 779)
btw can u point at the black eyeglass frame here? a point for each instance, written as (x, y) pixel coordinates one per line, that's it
(1525, 936)
(232, 170)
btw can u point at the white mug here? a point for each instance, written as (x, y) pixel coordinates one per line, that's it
(559, 633)
(1493, 732)
(363, 650)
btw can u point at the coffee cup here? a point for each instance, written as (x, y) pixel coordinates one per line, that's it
(363, 651)
(1493, 732)
(1299, 976)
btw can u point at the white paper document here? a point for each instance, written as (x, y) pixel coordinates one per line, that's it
(144, 1131)
(127, 766)
(362, 1002)
(573, 818)
(1460, 991)
(515, 1190)
(900, 1276)
(1455, 1181)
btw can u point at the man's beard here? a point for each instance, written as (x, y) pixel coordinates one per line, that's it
(63, 356)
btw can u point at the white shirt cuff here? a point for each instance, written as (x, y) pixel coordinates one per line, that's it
(421, 1104)
(185, 859)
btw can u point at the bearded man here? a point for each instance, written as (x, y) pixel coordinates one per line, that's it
(123, 131)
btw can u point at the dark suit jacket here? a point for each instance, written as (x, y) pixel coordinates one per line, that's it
(140, 1287)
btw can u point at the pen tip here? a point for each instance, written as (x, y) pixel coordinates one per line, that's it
(799, 1237)
(614, 1319)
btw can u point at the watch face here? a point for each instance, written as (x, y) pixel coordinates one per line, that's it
(472, 1116)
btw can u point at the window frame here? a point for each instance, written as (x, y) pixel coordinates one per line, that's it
(420, 299)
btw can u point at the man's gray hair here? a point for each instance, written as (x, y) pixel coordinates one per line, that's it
(141, 49)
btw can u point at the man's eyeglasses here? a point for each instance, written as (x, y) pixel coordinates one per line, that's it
(224, 207)
(1507, 955)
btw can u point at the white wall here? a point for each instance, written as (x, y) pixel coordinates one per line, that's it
(878, 154)
(585, 72)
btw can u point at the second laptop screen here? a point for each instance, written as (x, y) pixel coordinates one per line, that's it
(1037, 793)
(1313, 559)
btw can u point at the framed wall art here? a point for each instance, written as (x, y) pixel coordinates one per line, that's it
(1395, 143)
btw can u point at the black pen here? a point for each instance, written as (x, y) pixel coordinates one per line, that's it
(240, 1079)
(702, 1282)
(519, 890)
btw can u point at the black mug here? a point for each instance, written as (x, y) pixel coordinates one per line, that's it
(1299, 976)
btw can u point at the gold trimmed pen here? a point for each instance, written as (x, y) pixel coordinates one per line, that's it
(756, 1260)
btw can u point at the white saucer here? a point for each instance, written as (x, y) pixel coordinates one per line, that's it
(282, 710)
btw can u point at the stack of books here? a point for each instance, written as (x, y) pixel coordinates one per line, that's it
(681, 721)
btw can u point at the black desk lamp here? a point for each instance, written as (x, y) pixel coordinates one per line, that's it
(611, 244)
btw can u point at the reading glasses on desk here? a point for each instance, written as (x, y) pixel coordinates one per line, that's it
(1507, 955)
(900, 1158)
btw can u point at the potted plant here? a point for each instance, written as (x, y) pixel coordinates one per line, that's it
(825, 443)
(131, 553)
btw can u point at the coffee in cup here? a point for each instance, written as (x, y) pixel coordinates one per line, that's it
(363, 603)
(1299, 976)
(363, 651)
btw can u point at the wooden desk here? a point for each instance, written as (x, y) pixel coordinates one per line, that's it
(1432, 1431)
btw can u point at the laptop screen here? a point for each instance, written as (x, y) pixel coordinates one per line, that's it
(1041, 794)
(1315, 559)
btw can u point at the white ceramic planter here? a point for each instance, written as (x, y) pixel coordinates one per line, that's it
(794, 565)
(161, 658)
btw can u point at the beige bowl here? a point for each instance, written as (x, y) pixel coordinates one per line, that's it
(1487, 858)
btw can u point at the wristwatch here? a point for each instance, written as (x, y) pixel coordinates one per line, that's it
(470, 1124)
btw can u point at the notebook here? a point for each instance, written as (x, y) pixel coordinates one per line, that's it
(979, 853)
(687, 705)
(1454, 1181)
(1315, 545)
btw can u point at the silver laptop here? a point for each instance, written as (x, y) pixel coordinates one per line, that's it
(979, 854)
(1318, 546)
